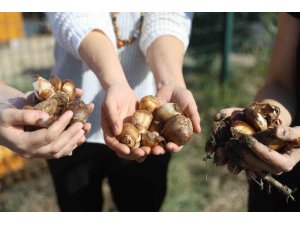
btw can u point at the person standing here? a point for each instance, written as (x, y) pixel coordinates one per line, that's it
(117, 58)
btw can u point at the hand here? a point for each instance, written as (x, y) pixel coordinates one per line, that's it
(53, 142)
(261, 158)
(118, 106)
(186, 101)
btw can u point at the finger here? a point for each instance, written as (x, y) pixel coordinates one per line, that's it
(288, 133)
(191, 112)
(116, 146)
(135, 154)
(71, 145)
(66, 141)
(252, 162)
(112, 115)
(87, 128)
(138, 153)
(146, 149)
(158, 150)
(11, 116)
(42, 137)
(172, 147)
(82, 140)
(90, 107)
(58, 134)
(110, 139)
(278, 161)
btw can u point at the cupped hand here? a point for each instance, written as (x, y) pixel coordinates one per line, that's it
(118, 106)
(259, 157)
(55, 141)
(186, 101)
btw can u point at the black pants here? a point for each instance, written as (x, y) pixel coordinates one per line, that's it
(135, 186)
(263, 201)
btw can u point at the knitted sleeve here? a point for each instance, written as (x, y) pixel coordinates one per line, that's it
(177, 24)
(69, 29)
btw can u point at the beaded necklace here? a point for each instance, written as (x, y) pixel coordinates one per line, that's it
(121, 42)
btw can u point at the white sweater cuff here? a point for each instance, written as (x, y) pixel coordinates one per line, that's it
(70, 29)
(159, 24)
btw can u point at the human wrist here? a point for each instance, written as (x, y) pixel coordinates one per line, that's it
(169, 83)
(171, 79)
(121, 83)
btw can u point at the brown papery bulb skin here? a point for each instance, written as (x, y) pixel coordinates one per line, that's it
(49, 106)
(152, 139)
(255, 119)
(142, 119)
(148, 103)
(178, 129)
(56, 82)
(242, 127)
(80, 111)
(130, 136)
(69, 88)
(43, 89)
(166, 111)
(155, 126)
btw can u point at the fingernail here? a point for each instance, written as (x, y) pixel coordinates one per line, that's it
(280, 131)
(69, 113)
(44, 117)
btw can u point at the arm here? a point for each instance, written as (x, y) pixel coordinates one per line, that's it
(98, 52)
(280, 87)
(165, 58)
(90, 37)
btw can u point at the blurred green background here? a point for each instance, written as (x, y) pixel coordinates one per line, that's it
(243, 40)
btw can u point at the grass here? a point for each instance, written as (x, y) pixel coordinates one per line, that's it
(193, 185)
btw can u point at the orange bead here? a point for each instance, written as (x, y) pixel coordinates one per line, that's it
(120, 44)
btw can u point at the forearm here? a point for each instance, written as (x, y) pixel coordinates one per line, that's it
(99, 54)
(273, 93)
(165, 58)
(280, 88)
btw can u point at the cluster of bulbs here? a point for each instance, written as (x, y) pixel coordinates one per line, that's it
(55, 96)
(154, 124)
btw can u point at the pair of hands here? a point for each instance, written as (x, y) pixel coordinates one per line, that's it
(55, 141)
(120, 103)
(260, 157)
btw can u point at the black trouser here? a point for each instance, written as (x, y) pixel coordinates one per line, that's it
(263, 201)
(135, 186)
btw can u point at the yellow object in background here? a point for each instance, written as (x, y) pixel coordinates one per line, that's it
(11, 26)
(9, 161)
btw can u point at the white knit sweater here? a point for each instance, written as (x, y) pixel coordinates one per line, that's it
(69, 29)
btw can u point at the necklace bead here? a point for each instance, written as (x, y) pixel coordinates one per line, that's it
(135, 34)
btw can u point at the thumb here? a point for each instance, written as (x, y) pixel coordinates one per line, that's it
(288, 133)
(112, 115)
(13, 116)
